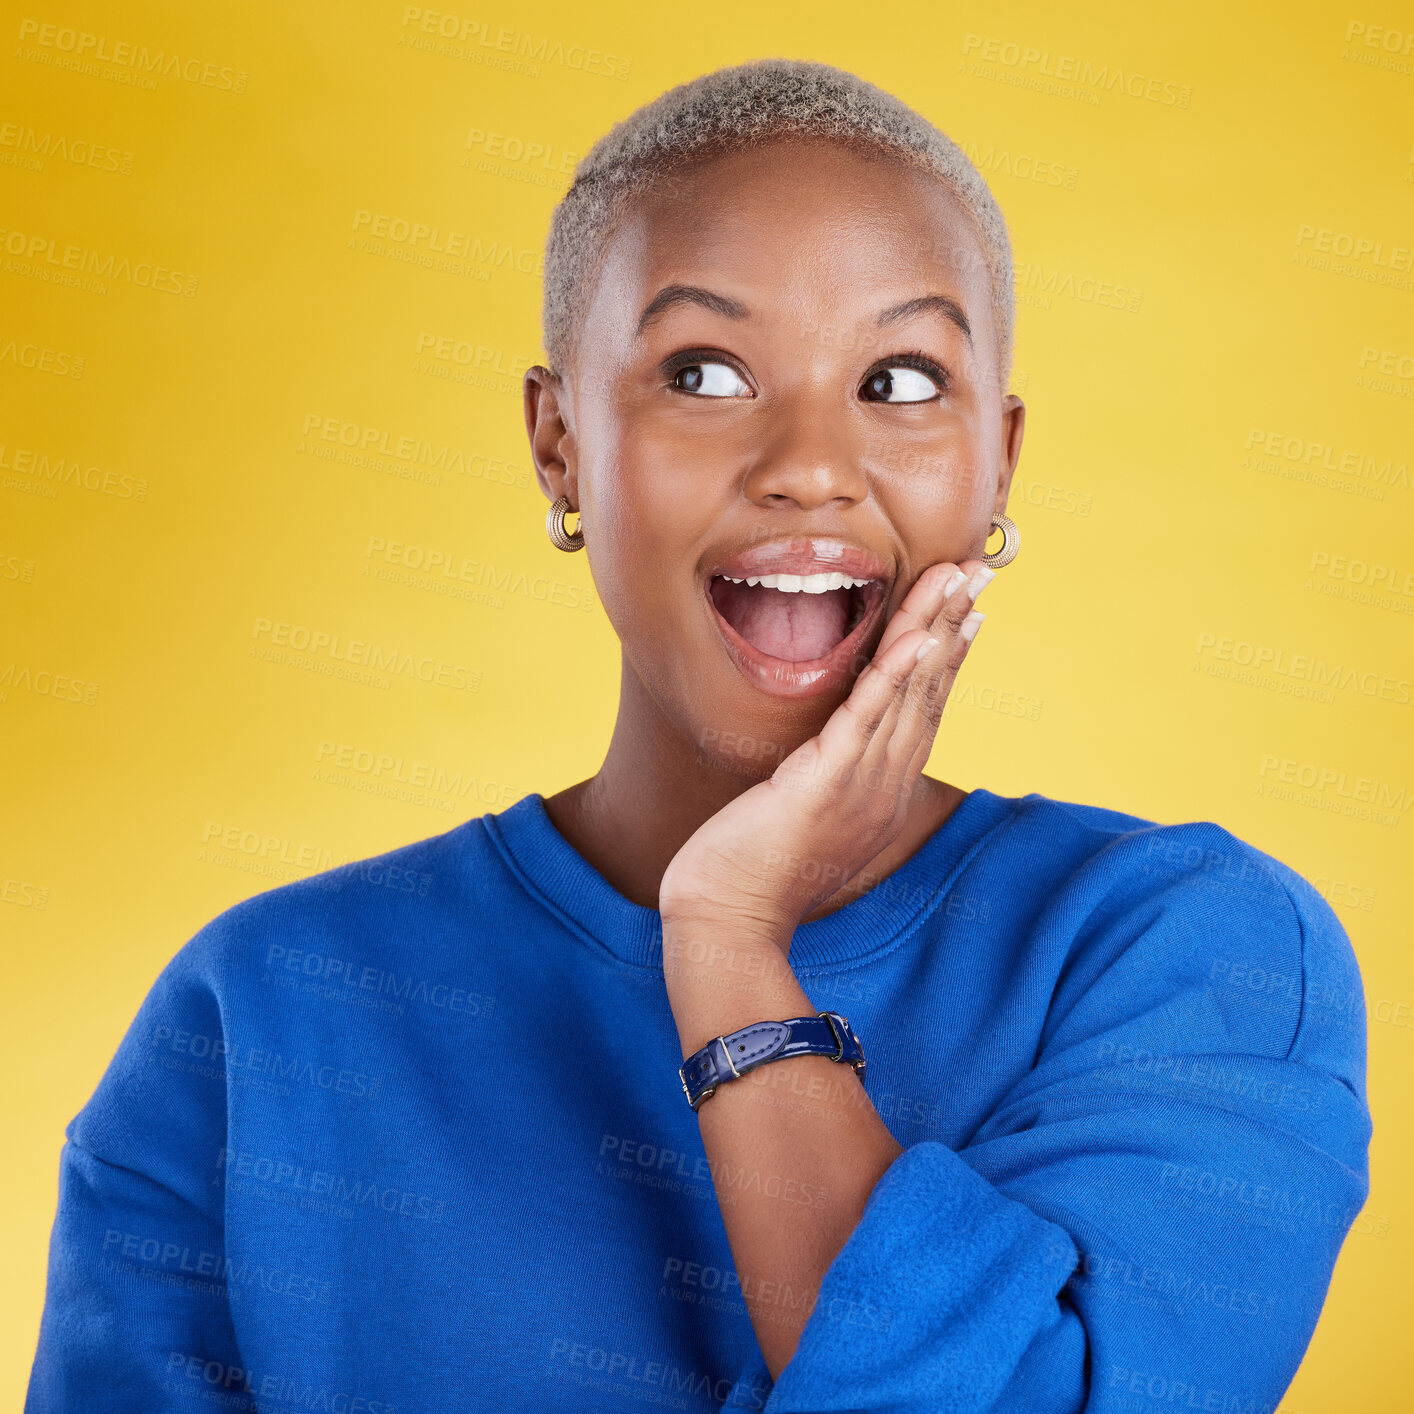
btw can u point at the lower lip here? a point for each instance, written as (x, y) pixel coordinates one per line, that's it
(782, 678)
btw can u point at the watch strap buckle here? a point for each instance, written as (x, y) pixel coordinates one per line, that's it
(729, 1057)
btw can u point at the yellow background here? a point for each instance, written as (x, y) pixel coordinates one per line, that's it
(164, 757)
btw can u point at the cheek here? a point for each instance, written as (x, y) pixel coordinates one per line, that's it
(645, 528)
(936, 485)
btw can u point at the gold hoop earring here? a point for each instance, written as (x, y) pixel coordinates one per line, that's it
(1011, 542)
(560, 538)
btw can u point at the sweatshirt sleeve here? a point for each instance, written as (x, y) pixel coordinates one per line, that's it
(135, 1290)
(1150, 1218)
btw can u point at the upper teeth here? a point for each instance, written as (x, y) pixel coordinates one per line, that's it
(800, 583)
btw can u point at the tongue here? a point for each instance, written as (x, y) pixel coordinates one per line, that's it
(796, 627)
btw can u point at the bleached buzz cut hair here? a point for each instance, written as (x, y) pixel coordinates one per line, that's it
(723, 110)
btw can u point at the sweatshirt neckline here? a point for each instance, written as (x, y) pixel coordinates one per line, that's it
(554, 870)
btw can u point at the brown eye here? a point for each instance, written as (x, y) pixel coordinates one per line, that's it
(711, 380)
(900, 384)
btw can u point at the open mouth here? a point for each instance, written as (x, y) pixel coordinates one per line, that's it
(795, 633)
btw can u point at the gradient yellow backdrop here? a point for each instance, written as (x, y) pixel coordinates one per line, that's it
(269, 275)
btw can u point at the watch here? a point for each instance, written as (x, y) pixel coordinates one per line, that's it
(726, 1058)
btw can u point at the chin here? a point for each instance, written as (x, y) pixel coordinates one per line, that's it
(745, 733)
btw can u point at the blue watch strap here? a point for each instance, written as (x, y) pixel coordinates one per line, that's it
(726, 1058)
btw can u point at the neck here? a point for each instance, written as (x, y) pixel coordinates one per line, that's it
(655, 789)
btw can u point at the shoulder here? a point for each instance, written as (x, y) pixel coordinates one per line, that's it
(1113, 857)
(391, 895)
(254, 975)
(1166, 912)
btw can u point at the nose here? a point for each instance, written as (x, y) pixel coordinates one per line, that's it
(809, 459)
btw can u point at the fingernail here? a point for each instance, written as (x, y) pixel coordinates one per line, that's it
(951, 587)
(970, 625)
(982, 576)
(927, 648)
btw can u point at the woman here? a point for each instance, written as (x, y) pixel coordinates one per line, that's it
(582, 1119)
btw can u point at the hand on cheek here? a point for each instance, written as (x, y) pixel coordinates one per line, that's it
(840, 798)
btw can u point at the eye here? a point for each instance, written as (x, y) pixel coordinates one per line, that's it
(710, 380)
(911, 378)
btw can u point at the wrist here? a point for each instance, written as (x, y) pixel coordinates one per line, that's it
(733, 926)
(735, 909)
(718, 980)
(725, 952)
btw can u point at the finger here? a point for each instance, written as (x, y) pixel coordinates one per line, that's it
(853, 724)
(892, 734)
(920, 605)
(868, 723)
(955, 608)
(935, 694)
(939, 600)
(941, 666)
(920, 707)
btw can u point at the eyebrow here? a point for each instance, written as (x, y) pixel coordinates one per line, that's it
(949, 308)
(671, 295)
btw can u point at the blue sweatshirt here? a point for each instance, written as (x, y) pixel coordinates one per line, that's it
(408, 1136)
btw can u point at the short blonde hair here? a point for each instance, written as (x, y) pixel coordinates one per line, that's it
(723, 109)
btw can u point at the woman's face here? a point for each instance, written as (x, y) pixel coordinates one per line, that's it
(788, 367)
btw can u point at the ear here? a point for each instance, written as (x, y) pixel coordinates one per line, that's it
(548, 418)
(1013, 428)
